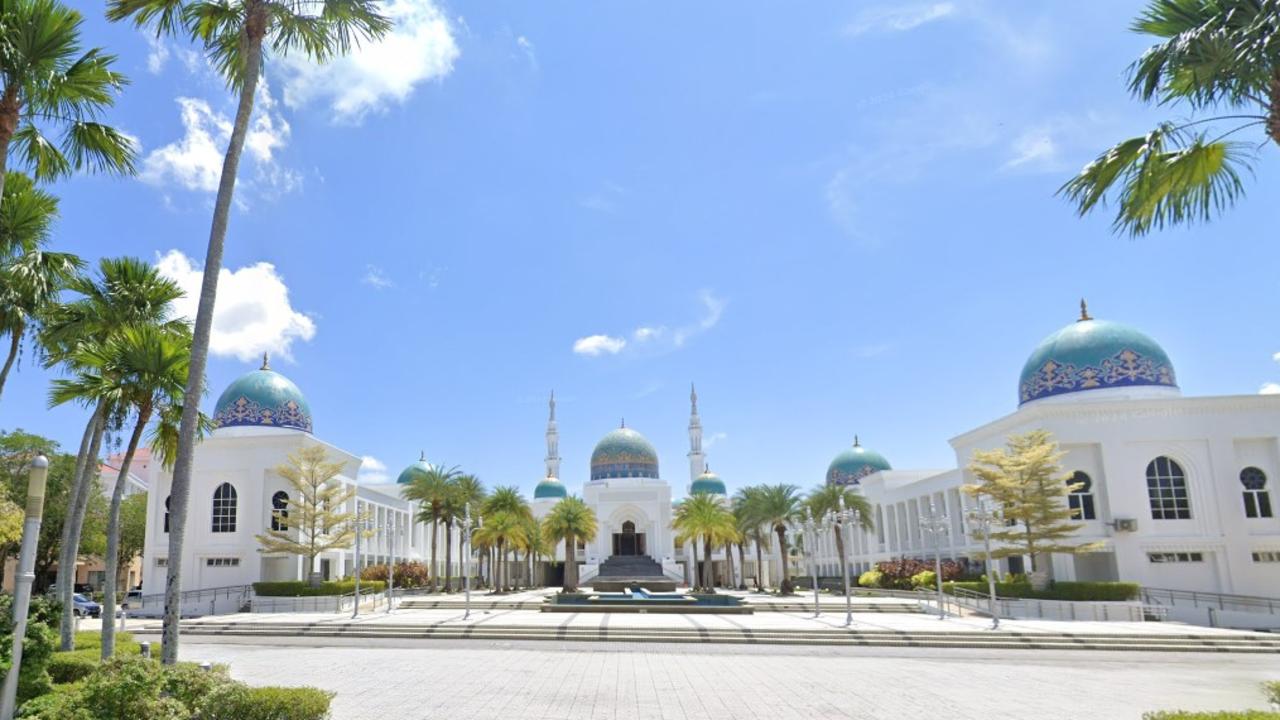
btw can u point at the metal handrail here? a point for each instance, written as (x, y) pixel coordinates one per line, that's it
(193, 595)
(1221, 601)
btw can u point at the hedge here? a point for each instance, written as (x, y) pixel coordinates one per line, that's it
(300, 588)
(1272, 691)
(69, 667)
(1217, 715)
(281, 703)
(1073, 591)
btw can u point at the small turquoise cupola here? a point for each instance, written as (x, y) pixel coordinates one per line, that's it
(1094, 354)
(549, 488)
(708, 483)
(850, 466)
(416, 471)
(624, 453)
(262, 398)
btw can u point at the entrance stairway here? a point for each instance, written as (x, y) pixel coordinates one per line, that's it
(631, 567)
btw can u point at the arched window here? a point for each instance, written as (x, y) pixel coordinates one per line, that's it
(1257, 500)
(629, 528)
(224, 508)
(1167, 490)
(1080, 500)
(166, 513)
(280, 511)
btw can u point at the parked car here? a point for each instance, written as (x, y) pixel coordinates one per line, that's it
(84, 607)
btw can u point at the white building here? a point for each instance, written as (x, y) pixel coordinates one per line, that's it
(1176, 490)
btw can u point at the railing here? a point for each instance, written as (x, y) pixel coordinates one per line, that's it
(1218, 601)
(316, 603)
(196, 599)
(1055, 609)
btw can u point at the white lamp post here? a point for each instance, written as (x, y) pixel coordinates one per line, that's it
(465, 541)
(37, 475)
(811, 549)
(983, 517)
(361, 526)
(846, 520)
(936, 526)
(392, 526)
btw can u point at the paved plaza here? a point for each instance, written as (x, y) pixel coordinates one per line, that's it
(529, 680)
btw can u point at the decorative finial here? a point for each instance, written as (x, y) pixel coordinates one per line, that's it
(693, 398)
(1084, 311)
(855, 441)
(265, 364)
(422, 457)
(553, 404)
(624, 424)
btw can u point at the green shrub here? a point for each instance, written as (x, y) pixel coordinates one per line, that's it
(407, 574)
(870, 578)
(41, 640)
(1216, 715)
(300, 588)
(924, 579)
(1272, 691)
(1074, 591)
(281, 703)
(69, 667)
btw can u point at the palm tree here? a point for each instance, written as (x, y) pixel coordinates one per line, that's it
(235, 34)
(502, 530)
(832, 499)
(751, 527)
(126, 293)
(703, 517)
(145, 368)
(507, 501)
(30, 277)
(433, 490)
(777, 506)
(1218, 59)
(52, 84)
(465, 491)
(569, 521)
(535, 546)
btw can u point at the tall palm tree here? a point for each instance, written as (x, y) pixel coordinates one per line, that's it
(778, 506)
(502, 530)
(826, 498)
(52, 84)
(569, 521)
(146, 368)
(235, 35)
(1218, 59)
(507, 501)
(535, 546)
(30, 277)
(126, 292)
(751, 527)
(465, 491)
(433, 490)
(703, 518)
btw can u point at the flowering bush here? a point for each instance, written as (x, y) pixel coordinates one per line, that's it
(925, 579)
(870, 578)
(408, 574)
(899, 573)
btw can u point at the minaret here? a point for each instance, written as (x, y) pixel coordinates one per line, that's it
(553, 441)
(697, 459)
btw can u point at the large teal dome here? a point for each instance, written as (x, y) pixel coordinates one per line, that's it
(624, 453)
(850, 466)
(707, 483)
(263, 398)
(1093, 355)
(415, 471)
(549, 488)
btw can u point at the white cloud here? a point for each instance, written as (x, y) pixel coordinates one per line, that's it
(714, 438)
(372, 471)
(419, 48)
(657, 337)
(157, 53)
(605, 199)
(526, 47)
(1034, 148)
(1270, 389)
(375, 278)
(898, 19)
(252, 314)
(595, 345)
(194, 162)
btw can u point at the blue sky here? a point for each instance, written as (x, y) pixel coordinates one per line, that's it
(834, 217)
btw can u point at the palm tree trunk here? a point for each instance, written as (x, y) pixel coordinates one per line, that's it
(742, 567)
(435, 571)
(14, 344)
(1273, 116)
(759, 564)
(786, 588)
(448, 553)
(570, 563)
(180, 491)
(697, 566)
(113, 538)
(73, 492)
(728, 566)
(72, 529)
(708, 578)
(501, 581)
(10, 114)
(840, 550)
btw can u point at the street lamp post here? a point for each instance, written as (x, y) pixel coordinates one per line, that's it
(984, 517)
(465, 541)
(37, 475)
(936, 526)
(845, 521)
(392, 525)
(810, 542)
(361, 525)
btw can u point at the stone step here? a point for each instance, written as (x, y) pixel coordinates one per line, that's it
(425, 604)
(870, 638)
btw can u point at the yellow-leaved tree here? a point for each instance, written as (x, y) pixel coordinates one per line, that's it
(315, 518)
(1025, 480)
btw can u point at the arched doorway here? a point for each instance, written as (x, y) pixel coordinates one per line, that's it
(628, 542)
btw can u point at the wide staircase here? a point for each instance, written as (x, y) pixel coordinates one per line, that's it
(632, 567)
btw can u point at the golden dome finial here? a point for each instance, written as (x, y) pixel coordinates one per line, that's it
(855, 441)
(266, 365)
(1084, 311)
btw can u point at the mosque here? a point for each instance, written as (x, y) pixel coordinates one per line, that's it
(1174, 491)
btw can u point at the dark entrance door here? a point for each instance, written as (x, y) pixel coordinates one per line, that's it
(628, 542)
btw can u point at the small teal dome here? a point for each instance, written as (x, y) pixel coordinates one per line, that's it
(707, 483)
(262, 398)
(549, 488)
(850, 466)
(415, 471)
(624, 453)
(1093, 355)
